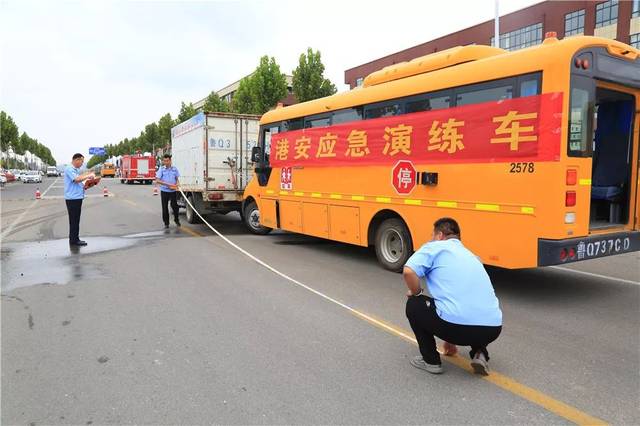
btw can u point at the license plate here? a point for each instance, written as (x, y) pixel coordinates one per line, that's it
(602, 247)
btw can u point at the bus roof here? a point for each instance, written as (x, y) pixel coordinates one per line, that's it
(450, 68)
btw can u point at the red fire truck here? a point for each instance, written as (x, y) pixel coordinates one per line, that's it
(137, 168)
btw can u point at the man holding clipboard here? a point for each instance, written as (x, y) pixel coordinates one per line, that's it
(75, 184)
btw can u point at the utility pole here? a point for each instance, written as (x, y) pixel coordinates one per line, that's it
(496, 36)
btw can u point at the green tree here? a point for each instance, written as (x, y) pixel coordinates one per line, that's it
(268, 85)
(213, 103)
(308, 78)
(243, 100)
(95, 159)
(8, 131)
(186, 112)
(151, 138)
(164, 129)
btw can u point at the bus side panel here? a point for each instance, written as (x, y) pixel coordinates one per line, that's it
(315, 220)
(268, 215)
(344, 224)
(291, 215)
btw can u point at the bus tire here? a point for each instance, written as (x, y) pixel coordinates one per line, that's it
(190, 214)
(252, 219)
(393, 244)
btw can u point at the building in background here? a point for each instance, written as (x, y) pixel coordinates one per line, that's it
(614, 19)
(229, 91)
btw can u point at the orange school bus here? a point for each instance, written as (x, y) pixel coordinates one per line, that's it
(533, 152)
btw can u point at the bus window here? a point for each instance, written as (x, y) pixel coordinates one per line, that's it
(386, 109)
(294, 124)
(347, 115)
(485, 92)
(580, 123)
(529, 87)
(315, 121)
(266, 137)
(427, 103)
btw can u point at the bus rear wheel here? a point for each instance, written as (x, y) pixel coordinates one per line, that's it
(393, 244)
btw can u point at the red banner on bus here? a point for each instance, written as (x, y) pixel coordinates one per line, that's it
(522, 129)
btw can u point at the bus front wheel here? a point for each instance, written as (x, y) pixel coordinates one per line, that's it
(393, 244)
(252, 219)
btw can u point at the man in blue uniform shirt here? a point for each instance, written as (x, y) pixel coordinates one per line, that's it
(167, 178)
(73, 196)
(461, 309)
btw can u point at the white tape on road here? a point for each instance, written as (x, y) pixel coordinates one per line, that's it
(591, 274)
(298, 283)
(6, 231)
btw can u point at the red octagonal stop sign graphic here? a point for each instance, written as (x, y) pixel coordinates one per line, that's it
(403, 177)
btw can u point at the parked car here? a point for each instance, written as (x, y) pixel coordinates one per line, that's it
(11, 177)
(21, 174)
(32, 177)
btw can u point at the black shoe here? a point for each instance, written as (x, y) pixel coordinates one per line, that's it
(177, 223)
(166, 226)
(78, 243)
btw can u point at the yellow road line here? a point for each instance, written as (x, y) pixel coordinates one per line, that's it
(547, 402)
(191, 232)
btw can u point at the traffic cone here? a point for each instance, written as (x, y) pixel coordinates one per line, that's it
(105, 192)
(38, 195)
(155, 190)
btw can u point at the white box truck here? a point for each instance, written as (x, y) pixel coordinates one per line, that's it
(212, 152)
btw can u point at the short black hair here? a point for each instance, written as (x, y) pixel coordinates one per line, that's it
(77, 155)
(448, 227)
(167, 156)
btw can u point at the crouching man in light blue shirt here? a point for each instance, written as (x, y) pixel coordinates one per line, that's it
(462, 308)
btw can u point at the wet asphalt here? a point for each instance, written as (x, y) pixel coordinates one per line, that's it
(151, 326)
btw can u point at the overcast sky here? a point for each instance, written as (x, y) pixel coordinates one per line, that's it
(80, 74)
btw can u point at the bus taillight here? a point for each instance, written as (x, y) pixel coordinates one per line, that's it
(563, 254)
(572, 176)
(570, 199)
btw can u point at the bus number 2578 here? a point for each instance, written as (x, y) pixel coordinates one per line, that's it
(522, 168)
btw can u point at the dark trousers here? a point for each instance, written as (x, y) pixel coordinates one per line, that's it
(165, 197)
(427, 325)
(74, 208)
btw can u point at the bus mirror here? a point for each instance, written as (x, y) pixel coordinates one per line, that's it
(429, 178)
(255, 154)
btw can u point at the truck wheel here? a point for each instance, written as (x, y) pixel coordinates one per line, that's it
(121, 180)
(190, 214)
(393, 244)
(252, 219)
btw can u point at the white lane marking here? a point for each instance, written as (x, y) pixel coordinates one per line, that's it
(591, 274)
(7, 230)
